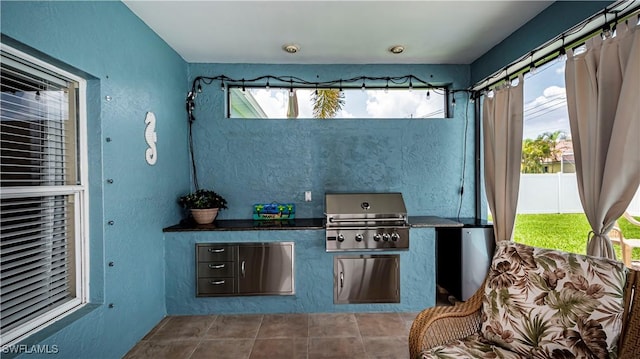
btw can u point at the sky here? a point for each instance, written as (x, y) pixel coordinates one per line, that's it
(545, 101)
(370, 103)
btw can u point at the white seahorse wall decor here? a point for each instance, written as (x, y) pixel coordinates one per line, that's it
(151, 154)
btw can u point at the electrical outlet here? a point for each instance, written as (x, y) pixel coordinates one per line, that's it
(307, 196)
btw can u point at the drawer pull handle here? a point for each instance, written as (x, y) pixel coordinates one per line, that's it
(216, 266)
(216, 250)
(217, 282)
(341, 279)
(242, 270)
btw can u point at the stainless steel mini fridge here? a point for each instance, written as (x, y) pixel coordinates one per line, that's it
(463, 256)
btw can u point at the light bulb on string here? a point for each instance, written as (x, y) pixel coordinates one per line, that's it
(428, 94)
(562, 55)
(199, 87)
(532, 66)
(267, 87)
(386, 88)
(363, 87)
(410, 85)
(222, 85)
(243, 88)
(341, 92)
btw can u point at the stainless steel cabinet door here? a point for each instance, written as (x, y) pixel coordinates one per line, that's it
(265, 268)
(366, 279)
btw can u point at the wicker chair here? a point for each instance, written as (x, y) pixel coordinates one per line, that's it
(442, 324)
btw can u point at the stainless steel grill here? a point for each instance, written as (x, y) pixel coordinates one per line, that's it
(366, 221)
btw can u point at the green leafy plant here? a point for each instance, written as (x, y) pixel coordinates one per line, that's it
(202, 199)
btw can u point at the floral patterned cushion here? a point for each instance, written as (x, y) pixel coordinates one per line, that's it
(474, 346)
(549, 304)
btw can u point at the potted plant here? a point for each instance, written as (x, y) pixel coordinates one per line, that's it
(203, 204)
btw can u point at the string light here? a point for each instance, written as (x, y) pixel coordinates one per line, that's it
(532, 67)
(562, 55)
(341, 92)
(406, 81)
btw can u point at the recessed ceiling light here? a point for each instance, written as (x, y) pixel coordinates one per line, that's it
(397, 49)
(292, 49)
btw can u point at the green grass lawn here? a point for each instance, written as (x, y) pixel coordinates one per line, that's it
(567, 232)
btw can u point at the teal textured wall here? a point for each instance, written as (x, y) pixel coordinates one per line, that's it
(124, 59)
(256, 161)
(130, 63)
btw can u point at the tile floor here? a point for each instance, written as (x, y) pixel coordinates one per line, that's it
(279, 336)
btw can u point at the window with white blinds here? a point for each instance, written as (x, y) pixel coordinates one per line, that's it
(43, 195)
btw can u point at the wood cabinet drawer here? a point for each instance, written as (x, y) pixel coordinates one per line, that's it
(216, 253)
(207, 286)
(216, 269)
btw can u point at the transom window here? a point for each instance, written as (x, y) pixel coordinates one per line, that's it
(328, 103)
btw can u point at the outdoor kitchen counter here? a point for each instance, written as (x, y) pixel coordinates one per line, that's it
(432, 222)
(296, 224)
(248, 225)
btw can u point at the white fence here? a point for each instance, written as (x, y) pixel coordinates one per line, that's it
(556, 193)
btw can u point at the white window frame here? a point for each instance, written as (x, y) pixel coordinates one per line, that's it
(81, 220)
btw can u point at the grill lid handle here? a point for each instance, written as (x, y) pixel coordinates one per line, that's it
(347, 220)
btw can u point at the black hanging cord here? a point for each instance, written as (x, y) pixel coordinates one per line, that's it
(190, 107)
(464, 153)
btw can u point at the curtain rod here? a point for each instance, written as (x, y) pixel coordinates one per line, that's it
(571, 38)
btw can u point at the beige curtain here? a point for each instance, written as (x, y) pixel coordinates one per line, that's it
(502, 126)
(603, 97)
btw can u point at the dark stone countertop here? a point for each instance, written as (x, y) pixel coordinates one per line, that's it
(248, 225)
(312, 223)
(432, 222)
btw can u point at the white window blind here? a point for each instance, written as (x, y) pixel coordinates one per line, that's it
(42, 195)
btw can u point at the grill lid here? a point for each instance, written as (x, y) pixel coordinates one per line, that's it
(345, 205)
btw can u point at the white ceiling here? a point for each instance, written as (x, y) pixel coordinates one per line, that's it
(334, 32)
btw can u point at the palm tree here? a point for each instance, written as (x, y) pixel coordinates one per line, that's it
(327, 103)
(552, 138)
(535, 153)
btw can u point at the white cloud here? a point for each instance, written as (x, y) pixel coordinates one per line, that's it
(273, 102)
(546, 113)
(400, 104)
(552, 96)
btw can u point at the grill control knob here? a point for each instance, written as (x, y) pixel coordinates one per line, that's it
(377, 237)
(359, 237)
(386, 237)
(395, 236)
(340, 237)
